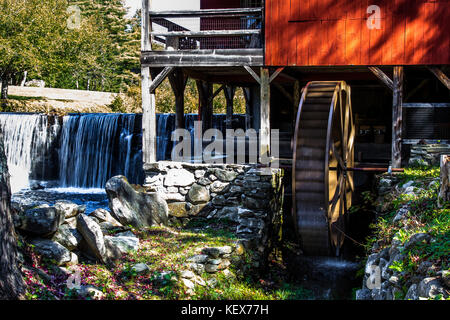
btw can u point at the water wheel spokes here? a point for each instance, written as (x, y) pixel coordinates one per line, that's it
(323, 150)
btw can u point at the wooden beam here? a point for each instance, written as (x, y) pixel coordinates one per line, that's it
(426, 105)
(216, 93)
(160, 78)
(275, 74)
(297, 97)
(206, 12)
(205, 92)
(203, 58)
(207, 34)
(253, 74)
(248, 107)
(178, 81)
(264, 150)
(441, 76)
(383, 77)
(397, 121)
(148, 99)
(229, 92)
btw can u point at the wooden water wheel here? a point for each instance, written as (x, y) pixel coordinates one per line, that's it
(323, 150)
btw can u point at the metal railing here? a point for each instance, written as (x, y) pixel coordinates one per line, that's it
(239, 28)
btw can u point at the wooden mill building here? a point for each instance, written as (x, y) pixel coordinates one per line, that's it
(346, 82)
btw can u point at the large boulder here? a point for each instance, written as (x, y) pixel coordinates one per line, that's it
(93, 236)
(133, 207)
(52, 250)
(42, 221)
(179, 178)
(117, 246)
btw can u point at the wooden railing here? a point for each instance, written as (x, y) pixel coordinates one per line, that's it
(240, 28)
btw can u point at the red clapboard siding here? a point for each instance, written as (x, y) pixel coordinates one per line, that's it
(335, 32)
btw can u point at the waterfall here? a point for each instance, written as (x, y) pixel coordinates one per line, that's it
(84, 150)
(96, 147)
(25, 139)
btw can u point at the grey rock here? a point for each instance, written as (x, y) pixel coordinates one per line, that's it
(68, 237)
(211, 268)
(179, 178)
(424, 266)
(188, 283)
(199, 174)
(224, 175)
(66, 208)
(92, 234)
(52, 250)
(43, 221)
(204, 181)
(132, 207)
(187, 274)
(104, 216)
(446, 278)
(218, 186)
(199, 258)
(178, 209)
(140, 268)
(412, 293)
(430, 288)
(416, 239)
(198, 194)
(116, 247)
(364, 294)
(90, 291)
(198, 268)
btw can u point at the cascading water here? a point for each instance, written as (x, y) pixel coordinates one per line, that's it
(84, 150)
(95, 147)
(25, 139)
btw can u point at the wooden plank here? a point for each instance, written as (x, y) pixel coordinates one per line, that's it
(253, 74)
(264, 150)
(207, 33)
(441, 76)
(229, 92)
(426, 105)
(160, 78)
(200, 58)
(383, 77)
(178, 81)
(148, 99)
(397, 121)
(239, 12)
(276, 74)
(353, 41)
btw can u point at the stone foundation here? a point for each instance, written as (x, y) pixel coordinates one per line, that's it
(427, 154)
(250, 197)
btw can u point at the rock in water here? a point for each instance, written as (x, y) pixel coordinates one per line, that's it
(135, 208)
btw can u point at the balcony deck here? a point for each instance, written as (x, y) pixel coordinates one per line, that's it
(206, 38)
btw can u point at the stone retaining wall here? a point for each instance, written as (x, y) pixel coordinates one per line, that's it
(248, 196)
(427, 154)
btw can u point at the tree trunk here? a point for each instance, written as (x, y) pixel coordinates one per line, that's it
(4, 94)
(444, 194)
(11, 282)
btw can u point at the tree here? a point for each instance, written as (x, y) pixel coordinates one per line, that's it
(34, 37)
(11, 282)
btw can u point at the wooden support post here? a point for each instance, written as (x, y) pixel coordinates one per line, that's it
(160, 78)
(178, 81)
(382, 76)
(148, 99)
(248, 107)
(441, 76)
(297, 97)
(229, 92)
(397, 123)
(264, 147)
(205, 92)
